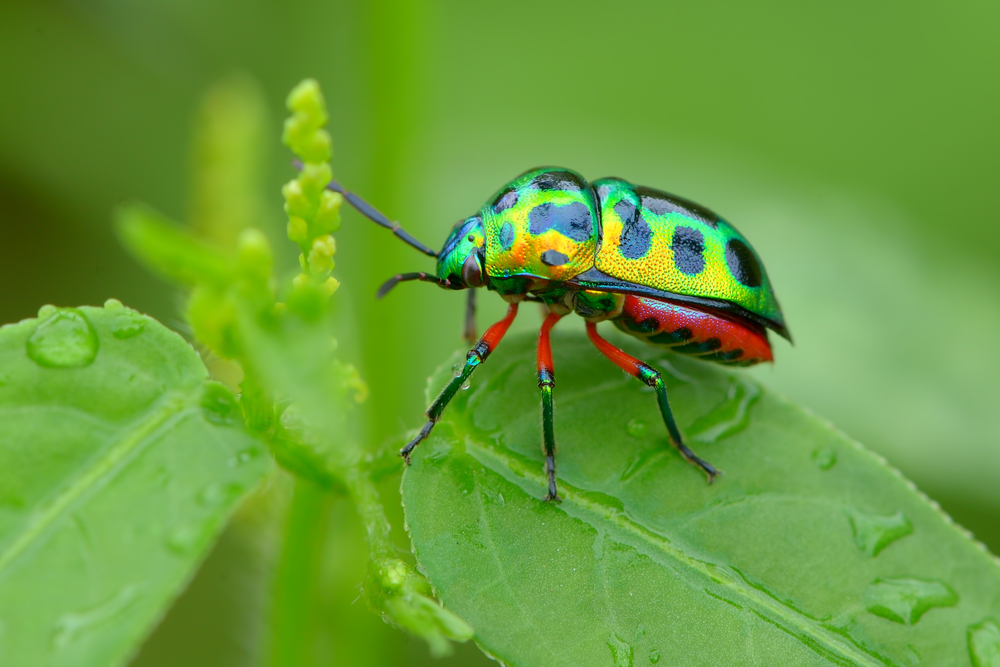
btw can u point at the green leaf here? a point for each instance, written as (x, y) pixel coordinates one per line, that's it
(119, 464)
(169, 250)
(808, 550)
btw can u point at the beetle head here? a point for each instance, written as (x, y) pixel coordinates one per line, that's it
(462, 260)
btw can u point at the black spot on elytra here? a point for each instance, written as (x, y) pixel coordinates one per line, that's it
(648, 325)
(671, 338)
(571, 220)
(554, 258)
(505, 200)
(636, 234)
(558, 180)
(742, 264)
(709, 345)
(689, 250)
(507, 235)
(662, 203)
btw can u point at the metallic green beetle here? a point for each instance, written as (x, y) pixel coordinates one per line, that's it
(660, 267)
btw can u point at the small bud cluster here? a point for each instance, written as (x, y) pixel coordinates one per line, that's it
(313, 211)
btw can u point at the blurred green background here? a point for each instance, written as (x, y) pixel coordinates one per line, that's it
(856, 144)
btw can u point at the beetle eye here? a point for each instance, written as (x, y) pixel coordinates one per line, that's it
(472, 271)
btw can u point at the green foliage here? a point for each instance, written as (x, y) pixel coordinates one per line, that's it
(229, 150)
(295, 393)
(808, 550)
(313, 211)
(119, 463)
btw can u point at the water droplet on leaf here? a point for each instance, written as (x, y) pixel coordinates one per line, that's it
(872, 532)
(243, 457)
(217, 494)
(218, 404)
(984, 644)
(906, 600)
(70, 626)
(621, 651)
(654, 655)
(439, 450)
(825, 457)
(465, 385)
(457, 369)
(112, 304)
(636, 428)
(187, 537)
(598, 546)
(645, 459)
(66, 339)
(729, 417)
(127, 325)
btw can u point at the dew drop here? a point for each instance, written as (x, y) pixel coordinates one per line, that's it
(636, 428)
(906, 600)
(440, 449)
(218, 405)
(457, 369)
(65, 339)
(70, 626)
(113, 304)
(621, 651)
(598, 546)
(984, 644)
(187, 537)
(127, 325)
(465, 385)
(642, 461)
(872, 532)
(720, 574)
(46, 311)
(217, 494)
(728, 417)
(825, 458)
(654, 655)
(243, 457)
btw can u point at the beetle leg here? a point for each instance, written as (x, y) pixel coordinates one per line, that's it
(651, 377)
(477, 355)
(546, 383)
(470, 318)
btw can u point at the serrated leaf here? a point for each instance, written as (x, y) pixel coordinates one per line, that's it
(643, 562)
(119, 464)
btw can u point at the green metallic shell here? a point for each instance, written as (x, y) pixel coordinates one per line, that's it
(549, 223)
(541, 224)
(658, 240)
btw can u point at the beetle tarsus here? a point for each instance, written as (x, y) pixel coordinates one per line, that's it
(412, 444)
(710, 470)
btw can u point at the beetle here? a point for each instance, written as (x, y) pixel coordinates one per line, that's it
(660, 267)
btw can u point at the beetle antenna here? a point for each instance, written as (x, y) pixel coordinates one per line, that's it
(373, 214)
(403, 277)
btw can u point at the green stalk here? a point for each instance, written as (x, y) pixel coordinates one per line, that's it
(397, 55)
(293, 624)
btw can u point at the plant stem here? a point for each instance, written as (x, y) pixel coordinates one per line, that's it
(293, 615)
(372, 515)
